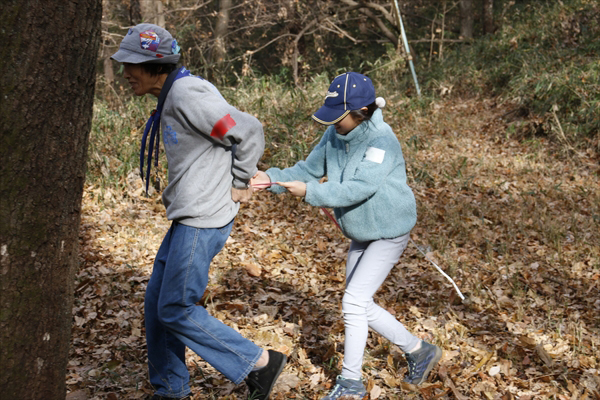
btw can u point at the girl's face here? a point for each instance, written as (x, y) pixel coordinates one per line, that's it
(346, 124)
(140, 80)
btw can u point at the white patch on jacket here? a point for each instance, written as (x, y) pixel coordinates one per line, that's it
(374, 154)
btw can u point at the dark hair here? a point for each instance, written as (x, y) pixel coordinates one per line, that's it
(364, 115)
(158, 69)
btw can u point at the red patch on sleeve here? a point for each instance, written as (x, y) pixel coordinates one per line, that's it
(222, 127)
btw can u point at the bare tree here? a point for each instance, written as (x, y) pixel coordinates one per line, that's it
(466, 19)
(47, 93)
(488, 17)
(221, 29)
(152, 12)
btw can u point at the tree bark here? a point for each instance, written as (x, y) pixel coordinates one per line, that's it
(466, 19)
(48, 64)
(135, 12)
(221, 30)
(152, 12)
(488, 17)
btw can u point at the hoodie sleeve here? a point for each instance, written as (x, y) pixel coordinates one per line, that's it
(376, 164)
(221, 123)
(311, 169)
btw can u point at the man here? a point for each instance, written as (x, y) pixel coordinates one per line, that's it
(212, 150)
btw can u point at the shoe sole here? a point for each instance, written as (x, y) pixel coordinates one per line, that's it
(432, 363)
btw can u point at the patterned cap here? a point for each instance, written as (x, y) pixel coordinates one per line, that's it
(147, 43)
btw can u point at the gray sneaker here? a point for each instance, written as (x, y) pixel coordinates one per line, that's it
(347, 388)
(421, 362)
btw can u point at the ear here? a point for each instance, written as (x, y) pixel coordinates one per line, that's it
(364, 109)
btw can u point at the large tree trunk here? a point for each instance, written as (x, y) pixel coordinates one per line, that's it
(466, 19)
(48, 62)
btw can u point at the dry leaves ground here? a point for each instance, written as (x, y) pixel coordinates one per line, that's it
(513, 222)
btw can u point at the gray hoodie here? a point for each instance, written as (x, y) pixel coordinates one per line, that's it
(198, 128)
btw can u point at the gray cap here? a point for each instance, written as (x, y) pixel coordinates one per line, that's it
(147, 43)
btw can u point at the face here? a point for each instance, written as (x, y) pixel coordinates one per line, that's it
(346, 124)
(141, 81)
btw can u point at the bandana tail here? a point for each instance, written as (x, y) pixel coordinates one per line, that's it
(151, 127)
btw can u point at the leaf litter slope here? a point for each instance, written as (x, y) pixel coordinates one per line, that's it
(513, 220)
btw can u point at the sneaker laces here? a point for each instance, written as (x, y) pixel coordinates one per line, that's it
(412, 366)
(344, 387)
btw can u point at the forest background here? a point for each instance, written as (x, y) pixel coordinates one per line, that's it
(502, 144)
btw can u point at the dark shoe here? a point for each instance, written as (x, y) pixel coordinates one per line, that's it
(421, 362)
(159, 397)
(261, 382)
(347, 389)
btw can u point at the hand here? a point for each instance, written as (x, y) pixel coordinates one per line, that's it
(241, 195)
(296, 188)
(260, 179)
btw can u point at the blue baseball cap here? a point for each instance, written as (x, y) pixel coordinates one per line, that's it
(348, 92)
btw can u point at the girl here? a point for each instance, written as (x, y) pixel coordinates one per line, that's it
(375, 208)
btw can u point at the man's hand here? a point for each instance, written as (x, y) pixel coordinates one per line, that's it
(241, 195)
(261, 180)
(296, 188)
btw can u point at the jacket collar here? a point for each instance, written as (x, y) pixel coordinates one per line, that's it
(361, 132)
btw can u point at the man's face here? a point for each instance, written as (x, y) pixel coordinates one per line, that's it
(141, 81)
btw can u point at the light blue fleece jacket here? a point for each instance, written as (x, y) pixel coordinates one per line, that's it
(366, 181)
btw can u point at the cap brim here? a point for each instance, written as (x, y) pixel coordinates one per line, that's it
(126, 56)
(329, 116)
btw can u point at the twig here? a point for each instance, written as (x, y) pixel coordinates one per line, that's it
(440, 270)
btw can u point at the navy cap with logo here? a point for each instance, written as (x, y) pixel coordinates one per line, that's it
(147, 43)
(348, 92)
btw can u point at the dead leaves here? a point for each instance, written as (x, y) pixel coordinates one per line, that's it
(509, 225)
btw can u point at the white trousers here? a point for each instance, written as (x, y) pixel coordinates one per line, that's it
(368, 264)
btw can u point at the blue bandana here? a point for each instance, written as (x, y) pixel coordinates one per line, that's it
(153, 124)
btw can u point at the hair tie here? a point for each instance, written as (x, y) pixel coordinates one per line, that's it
(380, 101)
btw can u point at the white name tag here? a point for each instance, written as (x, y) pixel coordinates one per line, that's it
(374, 154)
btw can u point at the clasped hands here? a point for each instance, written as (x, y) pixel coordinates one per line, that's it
(261, 180)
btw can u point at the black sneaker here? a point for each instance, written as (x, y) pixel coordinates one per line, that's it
(261, 382)
(159, 397)
(421, 362)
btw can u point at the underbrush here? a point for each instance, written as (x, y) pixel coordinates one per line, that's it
(544, 62)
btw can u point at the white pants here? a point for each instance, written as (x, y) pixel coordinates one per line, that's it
(368, 264)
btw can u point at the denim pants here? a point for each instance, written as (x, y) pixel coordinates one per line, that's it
(367, 267)
(174, 320)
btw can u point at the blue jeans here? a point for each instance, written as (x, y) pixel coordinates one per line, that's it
(174, 320)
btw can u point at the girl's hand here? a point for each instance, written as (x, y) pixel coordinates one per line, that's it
(296, 188)
(261, 180)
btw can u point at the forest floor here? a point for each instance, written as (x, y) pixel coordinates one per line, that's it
(512, 218)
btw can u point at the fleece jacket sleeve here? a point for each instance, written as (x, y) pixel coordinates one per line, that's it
(311, 169)
(368, 178)
(208, 112)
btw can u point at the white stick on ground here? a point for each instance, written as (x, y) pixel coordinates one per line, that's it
(439, 269)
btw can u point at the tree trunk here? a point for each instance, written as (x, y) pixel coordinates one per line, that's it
(488, 17)
(222, 27)
(135, 12)
(48, 64)
(152, 12)
(466, 19)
